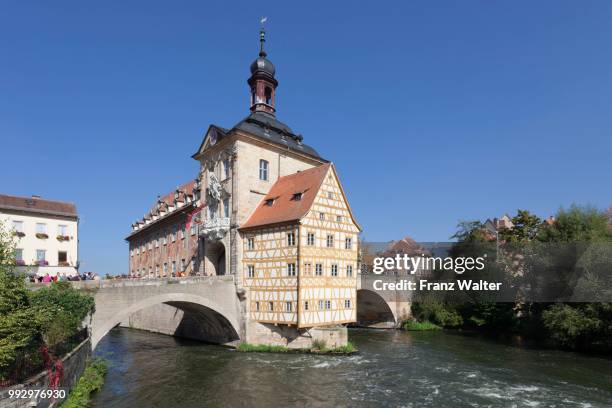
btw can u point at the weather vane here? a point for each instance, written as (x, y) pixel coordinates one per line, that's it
(263, 21)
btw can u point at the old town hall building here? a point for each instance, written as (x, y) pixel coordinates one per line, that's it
(267, 209)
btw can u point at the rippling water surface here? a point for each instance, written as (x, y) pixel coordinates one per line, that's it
(392, 369)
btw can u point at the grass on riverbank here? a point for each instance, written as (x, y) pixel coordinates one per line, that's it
(91, 381)
(317, 348)
(413, 325)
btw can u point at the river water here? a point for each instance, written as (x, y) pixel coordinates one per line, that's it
(408, 369)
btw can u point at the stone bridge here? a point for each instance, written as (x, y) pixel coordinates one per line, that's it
(204, 308)
(382, 308)
(209, 308)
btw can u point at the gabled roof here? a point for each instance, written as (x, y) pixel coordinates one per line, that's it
(284, 207)
(37, 205)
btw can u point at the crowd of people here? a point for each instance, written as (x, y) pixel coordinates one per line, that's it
(62, 277)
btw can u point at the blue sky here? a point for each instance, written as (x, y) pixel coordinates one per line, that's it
(433, 112)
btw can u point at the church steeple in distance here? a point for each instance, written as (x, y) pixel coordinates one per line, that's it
(262, 82)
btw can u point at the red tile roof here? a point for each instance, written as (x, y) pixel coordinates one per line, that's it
(169, 198)
(284, 207)
(37, 205)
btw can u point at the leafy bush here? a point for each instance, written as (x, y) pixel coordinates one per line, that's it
(413, 325)
(490, 315)
(437, 313)
(91, 381)
(580, 325)
(28, 319)
(60, 309)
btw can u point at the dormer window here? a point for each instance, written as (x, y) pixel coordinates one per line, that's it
(297, 196)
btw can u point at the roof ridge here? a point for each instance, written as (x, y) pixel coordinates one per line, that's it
(38, 198)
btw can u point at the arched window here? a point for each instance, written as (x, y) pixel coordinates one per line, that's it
(253, 96)
(268, 92)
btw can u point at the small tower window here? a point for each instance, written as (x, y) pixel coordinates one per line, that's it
(253, 96)
(268, 92)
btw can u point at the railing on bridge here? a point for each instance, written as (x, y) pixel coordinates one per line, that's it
(117, 283)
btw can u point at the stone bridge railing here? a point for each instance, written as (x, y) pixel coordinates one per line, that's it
(120, 283)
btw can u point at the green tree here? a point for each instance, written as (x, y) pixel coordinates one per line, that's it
(525, 228)
(19, 329)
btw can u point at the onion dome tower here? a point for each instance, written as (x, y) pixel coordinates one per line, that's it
(262, 82)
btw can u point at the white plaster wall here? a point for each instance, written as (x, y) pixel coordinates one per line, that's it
(29, 243)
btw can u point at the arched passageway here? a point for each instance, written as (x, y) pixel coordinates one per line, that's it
(373, 310)
(178, 314)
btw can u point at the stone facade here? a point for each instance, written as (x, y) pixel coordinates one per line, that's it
(238, 168)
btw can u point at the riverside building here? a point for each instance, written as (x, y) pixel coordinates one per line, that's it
(266, 208)
(46, 234)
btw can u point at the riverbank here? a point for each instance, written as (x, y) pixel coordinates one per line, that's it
(91, 381)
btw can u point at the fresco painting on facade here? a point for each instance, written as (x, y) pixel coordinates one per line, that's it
(265, 208)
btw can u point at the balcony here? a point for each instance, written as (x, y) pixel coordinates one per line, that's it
(215, 229)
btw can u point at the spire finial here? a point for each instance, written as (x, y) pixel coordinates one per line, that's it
(262, 36)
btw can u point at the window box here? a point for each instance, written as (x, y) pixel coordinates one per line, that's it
(20, 262)
(19, 234)
(64, 263)
(62, 238)
(41, 235)
(41, 263)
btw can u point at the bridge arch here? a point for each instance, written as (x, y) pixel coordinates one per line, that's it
(374, 311)
(214, 318)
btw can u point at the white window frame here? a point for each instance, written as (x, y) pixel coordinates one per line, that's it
(291, 269)
(17, 225)
(41, 228)
(264, 169)
(291, 239)
(349, 270)
(334, 270)
(348, 243)
(310, 240)
(330, 241)
(318, 269)
(288, 306)
(250, 243)
(44, 254)
(251, 271)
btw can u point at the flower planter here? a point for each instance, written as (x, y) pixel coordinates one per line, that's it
(20, 262)
(63, 264)
(19, 234)
(41, 263)
(62, 238)
(41, 235)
